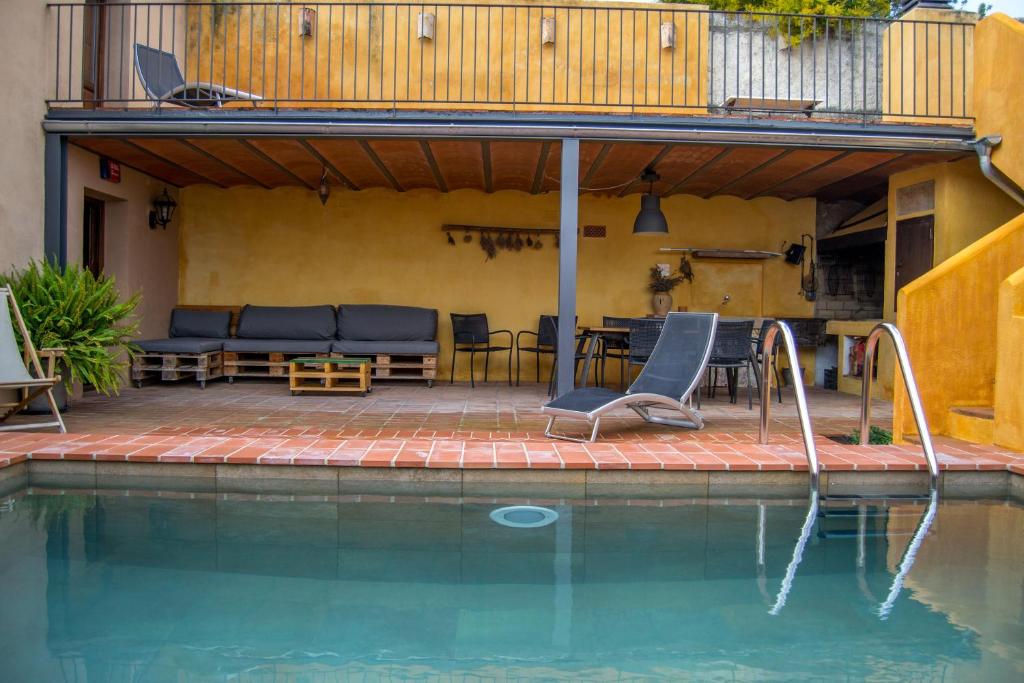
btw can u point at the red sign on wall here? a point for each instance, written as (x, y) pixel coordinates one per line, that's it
(110, 170)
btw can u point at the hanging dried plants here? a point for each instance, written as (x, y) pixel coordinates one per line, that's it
(487, 244)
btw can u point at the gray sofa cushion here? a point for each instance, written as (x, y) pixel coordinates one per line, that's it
(208, 324)
(277, 345)
(372, 347)
(180, 345)
(287, 322)
(374, 322)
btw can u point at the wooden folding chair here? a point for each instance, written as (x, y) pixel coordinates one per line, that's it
(16, 371)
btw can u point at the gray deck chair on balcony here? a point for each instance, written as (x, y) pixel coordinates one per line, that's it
(670, 375)
(162, 79)
(13, 371)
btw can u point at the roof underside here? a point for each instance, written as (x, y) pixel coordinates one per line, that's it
(609, 168)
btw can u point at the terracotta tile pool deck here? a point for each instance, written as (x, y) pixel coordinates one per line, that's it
(455, 427)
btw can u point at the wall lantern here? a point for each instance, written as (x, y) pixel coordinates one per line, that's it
(163, 211)
(668, 35)
(307, 22)
(425, 26)
(547, 30)
(324, 191)
(650, 220)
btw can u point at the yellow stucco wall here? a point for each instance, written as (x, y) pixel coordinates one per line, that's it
(928, 58)
(998, 95)
(1009, 397)
(248, 245)
(949, 319)
(486, 55)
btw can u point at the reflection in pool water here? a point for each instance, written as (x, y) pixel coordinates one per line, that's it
(158, 586)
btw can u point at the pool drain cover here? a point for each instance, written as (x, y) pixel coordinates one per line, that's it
(524, 516)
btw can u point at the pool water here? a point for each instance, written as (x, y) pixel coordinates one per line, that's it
(159, 586)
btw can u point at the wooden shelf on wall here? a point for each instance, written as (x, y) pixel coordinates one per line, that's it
(732, 254)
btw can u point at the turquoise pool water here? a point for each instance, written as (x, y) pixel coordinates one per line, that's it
(170, 587)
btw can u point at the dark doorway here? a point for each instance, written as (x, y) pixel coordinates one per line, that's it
(915, 239)
(92, 236)
(94, 49)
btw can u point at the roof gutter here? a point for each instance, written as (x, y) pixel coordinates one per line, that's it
(983, 146)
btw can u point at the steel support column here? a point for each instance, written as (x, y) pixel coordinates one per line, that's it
(55, 198)
(569, 212)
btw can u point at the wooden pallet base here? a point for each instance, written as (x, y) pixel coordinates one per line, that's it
(171, 367)
(388, 366)
(253, 364)
(338, 378)
(383, 366)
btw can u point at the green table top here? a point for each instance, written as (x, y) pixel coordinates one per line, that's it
(338, 361)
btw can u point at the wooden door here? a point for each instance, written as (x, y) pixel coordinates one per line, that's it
(92, 236)
(915, 239)
(94, 48)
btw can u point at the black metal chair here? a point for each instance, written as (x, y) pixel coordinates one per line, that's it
(758, 344)
(546, 340)
(731, 352)
(472, 335)
(643, 336)
(615, 346)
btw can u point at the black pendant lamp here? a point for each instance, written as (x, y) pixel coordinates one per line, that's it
(650, 220)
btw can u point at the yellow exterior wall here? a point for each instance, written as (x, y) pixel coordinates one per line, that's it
(1009, 397)
(23, 30)
(949, 319)
(928, 61)
(247, 245)
(487, 55)
(998, 95)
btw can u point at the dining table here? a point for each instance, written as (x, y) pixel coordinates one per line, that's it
(593, 333)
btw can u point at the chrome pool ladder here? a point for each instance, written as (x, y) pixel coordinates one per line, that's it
(907, 372)
(768, 356)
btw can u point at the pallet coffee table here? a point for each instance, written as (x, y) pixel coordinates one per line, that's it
(337, 375)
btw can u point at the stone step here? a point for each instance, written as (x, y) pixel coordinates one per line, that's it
(972, 423)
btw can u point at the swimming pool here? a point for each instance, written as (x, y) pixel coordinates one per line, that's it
(157, 586)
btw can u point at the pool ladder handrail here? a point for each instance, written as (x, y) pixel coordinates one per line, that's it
(768, 356)
(912, 394)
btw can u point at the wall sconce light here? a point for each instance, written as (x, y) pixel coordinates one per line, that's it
(650, 220)
(324, 191)
(425, 25)
(163, 211)
(547, 30)
(668, 35)
(307, 22)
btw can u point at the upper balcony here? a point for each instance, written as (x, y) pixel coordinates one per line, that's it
(567, 58)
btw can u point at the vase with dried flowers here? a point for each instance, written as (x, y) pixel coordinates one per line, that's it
(661, 286)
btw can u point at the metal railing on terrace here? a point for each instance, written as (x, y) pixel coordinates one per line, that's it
(602, 57)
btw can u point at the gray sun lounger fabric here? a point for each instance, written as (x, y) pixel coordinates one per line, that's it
(163, 82)
(14, 374)
(670, 375)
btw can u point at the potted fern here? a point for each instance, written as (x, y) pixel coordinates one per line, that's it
(71, 309)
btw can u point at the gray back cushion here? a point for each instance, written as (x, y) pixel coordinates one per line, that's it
(188, 323)
(287, 322)
(374, 322)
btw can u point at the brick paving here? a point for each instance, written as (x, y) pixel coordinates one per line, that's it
(454, 426)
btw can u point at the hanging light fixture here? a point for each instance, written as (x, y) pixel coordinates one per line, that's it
(163, 211)
(650, 220)
(324, 191)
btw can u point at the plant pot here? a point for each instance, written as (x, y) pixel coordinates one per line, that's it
(661, 303)
(61, 395)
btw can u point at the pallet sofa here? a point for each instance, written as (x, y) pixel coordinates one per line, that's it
(400, 341)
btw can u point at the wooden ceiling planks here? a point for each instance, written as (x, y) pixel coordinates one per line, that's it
(514, 164)
(523, 165)
(133, 156)
(238, 155)
(460, 163)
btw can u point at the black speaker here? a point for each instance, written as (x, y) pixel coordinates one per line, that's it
(795, 253)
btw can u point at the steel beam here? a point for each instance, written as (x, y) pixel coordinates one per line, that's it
(569, 194)
(55, 198)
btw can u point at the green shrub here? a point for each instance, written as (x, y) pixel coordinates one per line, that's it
(876, 436)
(82, 314)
